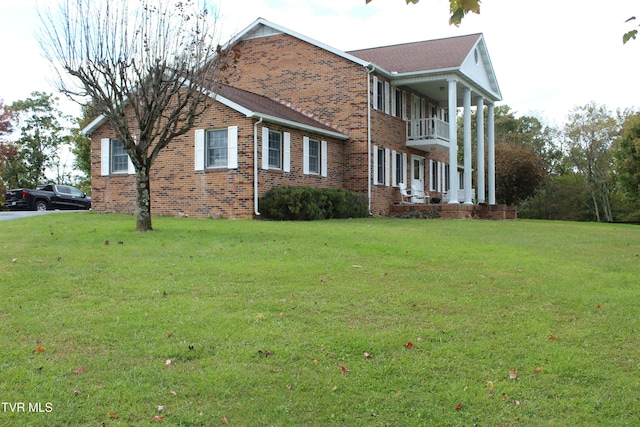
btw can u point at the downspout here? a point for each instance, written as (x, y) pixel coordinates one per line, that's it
(255, 166)
(370, 68)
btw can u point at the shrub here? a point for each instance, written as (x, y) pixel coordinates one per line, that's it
(307, 203)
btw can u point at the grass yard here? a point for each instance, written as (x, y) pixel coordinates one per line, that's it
(371, 322)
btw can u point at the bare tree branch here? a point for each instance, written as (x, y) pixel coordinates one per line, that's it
(143, 64)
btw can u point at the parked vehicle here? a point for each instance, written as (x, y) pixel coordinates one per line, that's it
(50, 196)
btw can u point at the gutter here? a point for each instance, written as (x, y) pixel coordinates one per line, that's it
(370, 69)
(255, 167)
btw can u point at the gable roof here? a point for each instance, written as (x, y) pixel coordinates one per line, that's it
(270, 110)
(433, 57)
(428, 55)
(256, 106)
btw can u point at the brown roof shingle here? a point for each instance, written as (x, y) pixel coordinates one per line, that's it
(420, 56)
(267, 106)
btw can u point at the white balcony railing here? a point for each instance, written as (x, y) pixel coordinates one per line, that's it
(431, 128)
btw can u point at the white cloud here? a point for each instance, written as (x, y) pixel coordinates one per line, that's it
(548, 55)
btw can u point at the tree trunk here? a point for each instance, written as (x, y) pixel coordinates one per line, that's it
(143, 200)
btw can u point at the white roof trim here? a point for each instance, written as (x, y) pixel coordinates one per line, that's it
(99, 121)
(262, 21)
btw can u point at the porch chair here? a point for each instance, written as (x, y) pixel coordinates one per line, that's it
(406, 196)
(419, 196)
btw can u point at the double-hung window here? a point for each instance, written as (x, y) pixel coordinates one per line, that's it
(275, 150)
(381, 166)
(314, 157)
(119, 157)
(216, 148)
(399, 168)
(114, 159)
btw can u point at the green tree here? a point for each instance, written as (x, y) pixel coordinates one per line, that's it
(458, 8)
(519, 173)
(627, 157)
(41, 136)
(589, 135)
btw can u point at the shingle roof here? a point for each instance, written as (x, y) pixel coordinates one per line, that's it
(420, 56)
(270, 107)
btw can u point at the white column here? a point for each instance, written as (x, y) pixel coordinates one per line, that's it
(491, 156)
(453, 142)
(466, 102)
(480, 148)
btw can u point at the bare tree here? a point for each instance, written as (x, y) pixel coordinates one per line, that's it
(143, 64)
(590, 132)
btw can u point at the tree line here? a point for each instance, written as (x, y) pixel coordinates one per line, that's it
(586, 170)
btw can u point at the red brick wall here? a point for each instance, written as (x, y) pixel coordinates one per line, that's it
(177, 188)
(327, 86)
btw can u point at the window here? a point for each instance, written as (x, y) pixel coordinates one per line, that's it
(378, 165)
(314, 156)
(435, 175)
(399, 168)
(447, 183)
(216, 148)
(114, 158)
(119, 157)
(275, 150)
(381, 97)
(397, 104)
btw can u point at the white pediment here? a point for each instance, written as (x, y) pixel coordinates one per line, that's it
(477, 66)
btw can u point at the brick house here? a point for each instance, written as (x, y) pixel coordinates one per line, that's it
(298, 112)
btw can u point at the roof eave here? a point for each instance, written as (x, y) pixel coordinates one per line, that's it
(295, 125)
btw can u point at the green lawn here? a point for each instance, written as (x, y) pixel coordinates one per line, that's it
(370, 322)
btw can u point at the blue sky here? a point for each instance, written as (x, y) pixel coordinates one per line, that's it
(548, 55)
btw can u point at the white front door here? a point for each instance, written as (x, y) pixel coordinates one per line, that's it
(417, 172)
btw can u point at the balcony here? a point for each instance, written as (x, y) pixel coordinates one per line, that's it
(431, 135)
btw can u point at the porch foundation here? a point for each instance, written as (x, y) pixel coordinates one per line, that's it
(453, 211)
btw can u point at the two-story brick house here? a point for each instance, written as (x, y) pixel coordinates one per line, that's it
(298, 112)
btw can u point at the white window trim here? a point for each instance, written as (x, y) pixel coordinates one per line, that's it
(387, 167)
(105, 160)
(232, 149)
(285, 151)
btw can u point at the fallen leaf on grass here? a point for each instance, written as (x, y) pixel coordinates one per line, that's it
(158, 419)
(458, 406)
(39, 349)
(516, 402)
(168, 362)
(265, 353)
(367, 355)
(224, 421)
(173, 393)
(78, 371)
(408, 345)
(260, 316)
(600, 306)
(513, 374)
(112, 415)
(334, 388)
(77, 392)
(169, 334)
(553, 337)
(356, 266)
(316, 361)
(539, 369)
(490, 385)
(344, 369)
(160, 408)
(505, 397)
